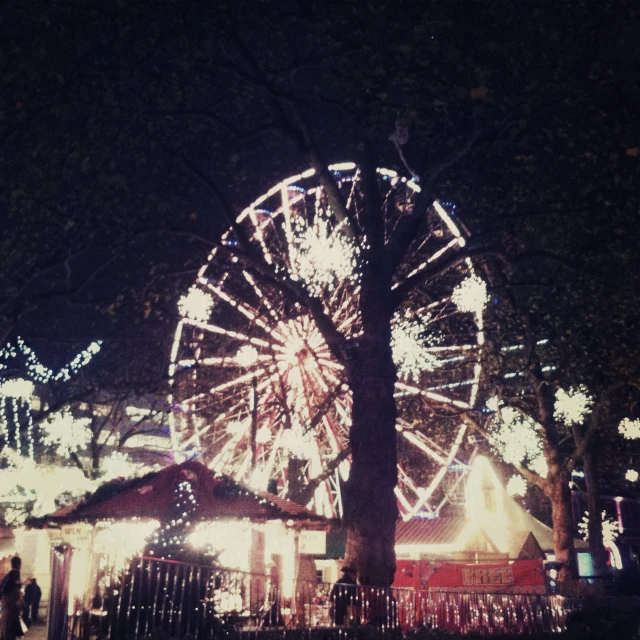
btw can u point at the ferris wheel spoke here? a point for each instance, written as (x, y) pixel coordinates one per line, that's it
(432, 395)
(222, 361)
(332, 436)
(414, 439)
(264, 300)
(451, 245)
(251, 314)
(247, 377)
(212, 328)
(426, 495)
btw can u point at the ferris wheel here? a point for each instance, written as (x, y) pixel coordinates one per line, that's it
(255, 389)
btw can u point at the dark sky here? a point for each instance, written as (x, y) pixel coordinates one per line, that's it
(104, 105)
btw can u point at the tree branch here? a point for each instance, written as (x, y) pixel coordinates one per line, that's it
(307, 493)
(442, 266)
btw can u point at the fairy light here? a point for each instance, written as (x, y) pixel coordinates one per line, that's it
(24, 481)
(228, 540)
(196, 305)
(572, 406)
(471, 296)
(37, 371)
(299, 442)
(247, 356)
(263, 435)
(20, 391)
(17, 389)
(66, 433)
(629, 429)
(236, 428)
(16, 424)
(170, 538)
(120, 465)
(30, 441)
(3, 418)
(516, 438)
(322, 255)
(517, 486)
(610, 528)
(631, 475)
(411, 342)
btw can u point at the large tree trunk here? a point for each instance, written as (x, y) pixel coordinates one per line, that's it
(371, 509)
(370, 503)
(557, 487)
(559, 494)
(594, 506)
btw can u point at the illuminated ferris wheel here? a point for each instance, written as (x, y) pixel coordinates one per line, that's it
(255, 389)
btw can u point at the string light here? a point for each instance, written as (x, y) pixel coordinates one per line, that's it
(65, 432)
(471, 296)
(20, 391)
(24, 481)
(17, 388)
(170, 539)
(247, 356)
(37, 371)
(411, 341)
(196, 305)
(629, 429)
(120, 465)
(572, 406)
(321, 253)
(517, 486)
(298, 442)
(516, 437)
(610, 528)
(631, 475)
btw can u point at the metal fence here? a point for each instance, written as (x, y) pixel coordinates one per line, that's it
(158, 598)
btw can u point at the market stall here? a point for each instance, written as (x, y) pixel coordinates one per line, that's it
(140, 552)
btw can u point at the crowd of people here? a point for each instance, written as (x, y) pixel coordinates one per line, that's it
(19, 603)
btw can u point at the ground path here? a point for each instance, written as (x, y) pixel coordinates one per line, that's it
(37, 631)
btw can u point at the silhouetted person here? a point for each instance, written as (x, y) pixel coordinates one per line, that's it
(32, 595)
(344, 594)
(16, 564)
(10, 626)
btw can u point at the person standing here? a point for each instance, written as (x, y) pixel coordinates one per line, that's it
(16, 564)
(32, 595)
(10, 618)
(344, 594)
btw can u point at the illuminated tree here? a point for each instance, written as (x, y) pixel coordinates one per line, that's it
(170, 539)
(545, 442)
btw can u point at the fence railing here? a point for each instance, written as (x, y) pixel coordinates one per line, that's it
(150, 597)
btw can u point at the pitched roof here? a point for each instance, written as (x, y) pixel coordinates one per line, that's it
(152, 496)
(443, 530)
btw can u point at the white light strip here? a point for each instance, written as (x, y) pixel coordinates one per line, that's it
(225, 332)
(446, 218)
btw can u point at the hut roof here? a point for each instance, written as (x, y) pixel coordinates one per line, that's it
(152, 496)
